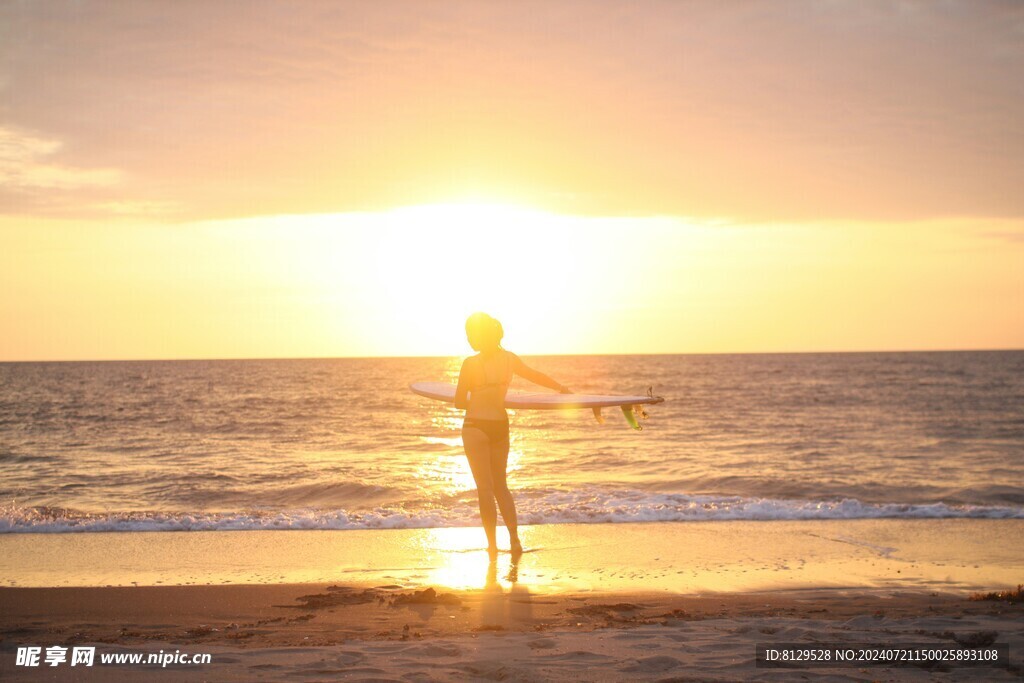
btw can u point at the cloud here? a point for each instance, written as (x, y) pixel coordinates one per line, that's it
(139, 208)
(33, 181)
(1009, 236)
(786, 110)
(25, 165)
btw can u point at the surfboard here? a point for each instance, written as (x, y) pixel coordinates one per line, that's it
(527, 400)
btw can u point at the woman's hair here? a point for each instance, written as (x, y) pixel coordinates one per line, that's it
(483, 332)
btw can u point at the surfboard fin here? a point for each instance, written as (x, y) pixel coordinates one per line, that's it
(597, 415)
(630, 416)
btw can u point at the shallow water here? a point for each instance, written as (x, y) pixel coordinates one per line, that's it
(342, 443)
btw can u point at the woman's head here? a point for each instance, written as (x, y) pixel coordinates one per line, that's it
(483, 332)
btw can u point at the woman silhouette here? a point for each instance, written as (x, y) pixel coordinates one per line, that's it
(483, 382)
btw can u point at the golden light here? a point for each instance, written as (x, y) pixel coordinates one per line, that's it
(464, 563)
(438, 263)
(402, 282)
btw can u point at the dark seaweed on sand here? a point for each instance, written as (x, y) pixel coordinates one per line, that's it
(1011, 596)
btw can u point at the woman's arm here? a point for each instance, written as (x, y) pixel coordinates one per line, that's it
(462, 390)
(535, 376)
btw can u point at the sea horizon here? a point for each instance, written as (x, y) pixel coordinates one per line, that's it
(529, 355)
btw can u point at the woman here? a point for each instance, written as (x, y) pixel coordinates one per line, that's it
(483, 382)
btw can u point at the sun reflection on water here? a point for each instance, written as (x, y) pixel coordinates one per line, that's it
(441, 441)
(449, 422)
(461, 561)
(452, 368)
(448, 472)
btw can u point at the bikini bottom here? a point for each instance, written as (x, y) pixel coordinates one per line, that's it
(495, 430)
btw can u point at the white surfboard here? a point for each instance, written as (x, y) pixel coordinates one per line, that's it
(528, 400)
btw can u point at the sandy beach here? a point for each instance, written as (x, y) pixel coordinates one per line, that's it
(412, 342)
(592, 603)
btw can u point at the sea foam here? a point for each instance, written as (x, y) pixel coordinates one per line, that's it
(586, 506)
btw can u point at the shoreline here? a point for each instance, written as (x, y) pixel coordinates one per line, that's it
(678, 557)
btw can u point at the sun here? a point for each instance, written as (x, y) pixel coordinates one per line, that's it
(435, 264)
(403, 281)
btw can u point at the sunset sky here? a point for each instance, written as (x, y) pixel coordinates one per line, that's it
(264, 179)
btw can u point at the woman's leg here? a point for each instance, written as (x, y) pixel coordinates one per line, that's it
(478, 452)
(499, 463)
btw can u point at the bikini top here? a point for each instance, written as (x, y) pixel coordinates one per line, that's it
(501, 384)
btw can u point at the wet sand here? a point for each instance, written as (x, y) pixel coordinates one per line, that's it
(680, 557)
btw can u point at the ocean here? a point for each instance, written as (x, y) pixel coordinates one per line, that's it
(343, 443)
